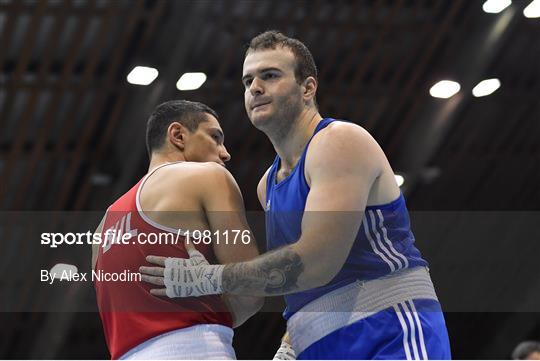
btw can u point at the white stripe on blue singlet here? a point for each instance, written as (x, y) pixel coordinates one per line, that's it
(374, 247)
(380, 243)
(387, 240)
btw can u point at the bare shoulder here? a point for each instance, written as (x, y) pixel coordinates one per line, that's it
(211, 173)
(195, 172)
(182, 185)
(344, 146)
(338, 132)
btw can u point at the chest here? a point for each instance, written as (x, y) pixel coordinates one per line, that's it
(281, 174)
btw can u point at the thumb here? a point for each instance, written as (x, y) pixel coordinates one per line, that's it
(195, 257)
(190, 248)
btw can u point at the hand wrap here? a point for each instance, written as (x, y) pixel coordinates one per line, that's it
(285, 352)
(192, 277)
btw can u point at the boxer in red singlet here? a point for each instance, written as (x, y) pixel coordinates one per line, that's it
(187, 189)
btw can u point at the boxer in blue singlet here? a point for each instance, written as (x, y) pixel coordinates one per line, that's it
(338, 232)
(407, 322)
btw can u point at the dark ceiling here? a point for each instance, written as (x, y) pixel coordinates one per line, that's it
(72, 128)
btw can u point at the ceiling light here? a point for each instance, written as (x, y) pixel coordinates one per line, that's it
(142, 75)
(191, 81)
(399, 179)
(495, 6)
(444, 89)
(486, 87)
(532, 10)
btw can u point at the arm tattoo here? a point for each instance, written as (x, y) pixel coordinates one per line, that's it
(273, 273)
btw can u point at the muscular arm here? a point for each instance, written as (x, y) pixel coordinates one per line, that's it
(341, 167)
(224, 209)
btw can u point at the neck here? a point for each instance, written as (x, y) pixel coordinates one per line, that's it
(159, 158)
(290, 144)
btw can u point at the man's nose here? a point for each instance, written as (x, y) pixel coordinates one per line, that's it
(224, 155)
(256, 87)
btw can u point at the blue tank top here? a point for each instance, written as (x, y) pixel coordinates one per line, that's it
(383, 245)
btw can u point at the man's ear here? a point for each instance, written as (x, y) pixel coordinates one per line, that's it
(176, 135)
(309, 89)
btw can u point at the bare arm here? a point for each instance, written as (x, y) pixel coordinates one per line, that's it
(224, 209)
(342, 167)
(242, 307)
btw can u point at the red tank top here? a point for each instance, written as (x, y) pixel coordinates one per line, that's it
(130, 314)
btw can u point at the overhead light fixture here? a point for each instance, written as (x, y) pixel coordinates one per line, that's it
(63, 270)
(532, 10)
(191, 81)
(399, 179)
(142, 75)
(495, 6)
(444, 89)
(486, 87)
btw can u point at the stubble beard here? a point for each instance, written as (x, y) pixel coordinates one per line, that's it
(280, 124)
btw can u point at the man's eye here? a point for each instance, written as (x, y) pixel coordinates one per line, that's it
(270, 76)
(247, 82)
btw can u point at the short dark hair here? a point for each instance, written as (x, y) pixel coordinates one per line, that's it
(305, 65)
(524, 349)
(189, 114)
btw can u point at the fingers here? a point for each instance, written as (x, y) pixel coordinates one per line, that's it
(160, 261)
(153, 280)
(190, 248)
(152, 271)
(161, 292)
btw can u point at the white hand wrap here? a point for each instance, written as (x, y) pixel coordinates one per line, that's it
(192, 277)
(285, 352)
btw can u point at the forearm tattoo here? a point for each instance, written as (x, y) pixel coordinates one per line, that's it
(273, 273)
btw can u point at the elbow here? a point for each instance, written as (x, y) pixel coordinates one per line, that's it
(257, 304)
(327, 277)
(321, 275)
(252, 304)
(244, 307)
(319, 266)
